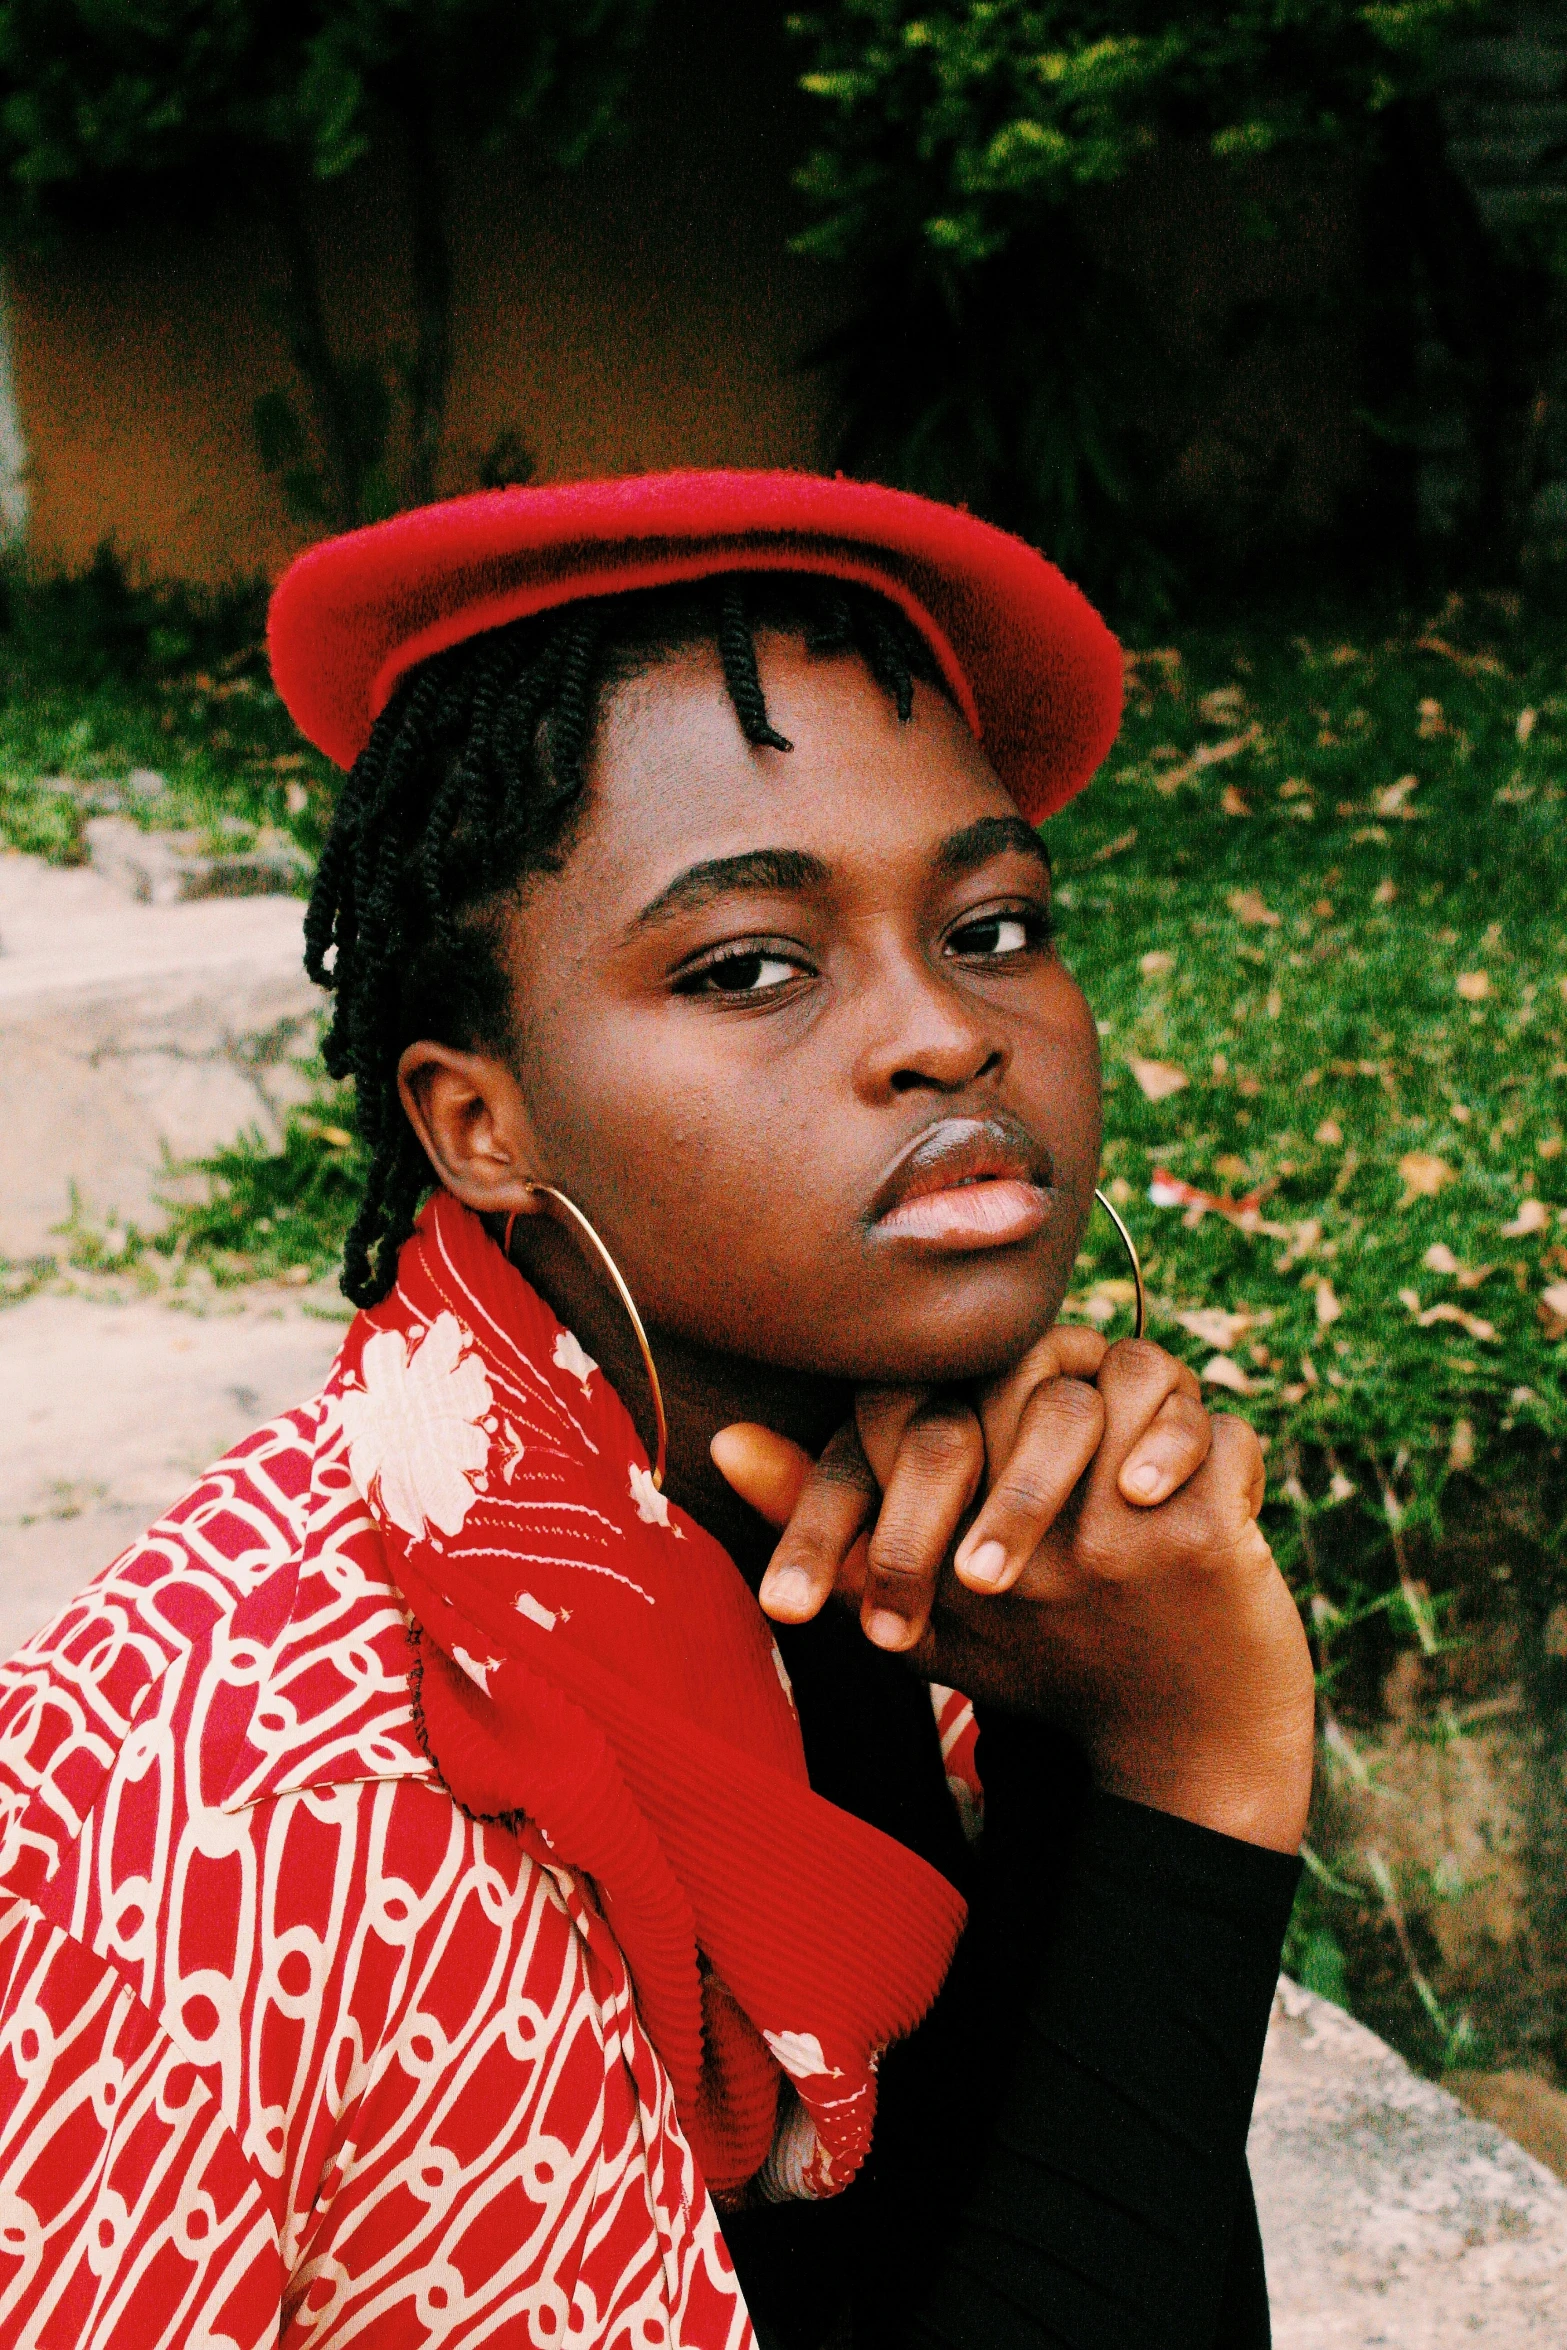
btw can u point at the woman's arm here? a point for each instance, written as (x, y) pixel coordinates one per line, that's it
(1112, 1996)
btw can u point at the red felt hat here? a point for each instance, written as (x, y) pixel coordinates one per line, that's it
(1031, 663)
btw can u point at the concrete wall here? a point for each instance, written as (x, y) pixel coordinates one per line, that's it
(643, 312)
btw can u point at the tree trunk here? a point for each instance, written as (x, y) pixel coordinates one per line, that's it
(431, 270)
(310, 347)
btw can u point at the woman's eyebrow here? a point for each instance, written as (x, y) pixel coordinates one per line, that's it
(962, 852)
(758, 869)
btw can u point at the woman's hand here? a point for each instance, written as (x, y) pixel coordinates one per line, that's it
(1114, 1578)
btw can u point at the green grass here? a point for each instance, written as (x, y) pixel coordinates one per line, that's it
(104, 685)
(1322, 882)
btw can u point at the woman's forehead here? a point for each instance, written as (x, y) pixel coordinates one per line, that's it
(672, 770)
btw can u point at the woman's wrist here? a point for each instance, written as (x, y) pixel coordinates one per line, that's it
(1255, 1790)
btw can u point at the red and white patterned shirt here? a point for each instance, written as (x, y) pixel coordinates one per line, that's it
(292, 2051)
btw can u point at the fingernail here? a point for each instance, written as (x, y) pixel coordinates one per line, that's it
(988, 1564)
(786, 1587)
(886, 1629)
(1147, 1477)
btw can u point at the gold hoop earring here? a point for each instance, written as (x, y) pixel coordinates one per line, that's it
(580, 1224)
(1130, 1246)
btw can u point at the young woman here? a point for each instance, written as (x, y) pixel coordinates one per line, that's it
(466, 1878)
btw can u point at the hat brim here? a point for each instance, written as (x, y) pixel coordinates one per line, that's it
(1027, 658)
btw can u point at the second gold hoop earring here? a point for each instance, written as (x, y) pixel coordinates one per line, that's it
(1140, 1314)
(579, 1224)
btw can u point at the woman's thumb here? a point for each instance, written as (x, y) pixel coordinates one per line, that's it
(765, 1470)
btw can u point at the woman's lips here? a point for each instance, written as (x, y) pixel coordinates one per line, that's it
(985, 1213)
(965, 1183)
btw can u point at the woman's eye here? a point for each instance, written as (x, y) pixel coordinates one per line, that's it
(751, 973)
(994, 935)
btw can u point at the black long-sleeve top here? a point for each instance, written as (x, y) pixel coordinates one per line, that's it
(1060, 2149)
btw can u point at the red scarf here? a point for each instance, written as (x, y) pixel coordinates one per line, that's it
(595, 1667)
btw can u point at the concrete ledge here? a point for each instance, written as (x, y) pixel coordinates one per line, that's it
(130, 1031)
(1390, 2217)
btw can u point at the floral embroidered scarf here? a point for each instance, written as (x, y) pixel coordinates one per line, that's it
(595, 1671)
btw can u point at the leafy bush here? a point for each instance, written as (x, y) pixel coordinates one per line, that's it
(996, 353)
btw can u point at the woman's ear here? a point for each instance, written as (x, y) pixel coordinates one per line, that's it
(467, 1110)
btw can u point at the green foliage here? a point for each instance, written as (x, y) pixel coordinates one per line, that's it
(106, 94)
(949, 121)
(997, 354)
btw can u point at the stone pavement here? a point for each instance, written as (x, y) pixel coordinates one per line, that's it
(130, 1030)
(111, 1409)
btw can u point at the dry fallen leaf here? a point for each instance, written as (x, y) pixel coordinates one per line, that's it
(1158, 1079)
(1533, 1216)
(1225, 706)
(1553, 1310)
(1439, 1258)
(1230, 1169)
(1323, 909)
(1526, 724)
(1217, 1328)
(1205, 755)
(1392, 799)
(1247, 906)
(1461, 1451)
(1224, 1371)
(1330, 1131)
(1232, 802)
(1384, 893)
(1327, 1304)
(1473, 1325)
(1473, 986)
(1424, 1175)
(1550, 1147)
(1114, 848)
(1155, 964)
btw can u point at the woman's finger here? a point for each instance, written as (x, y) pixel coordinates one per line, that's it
(935, 1476)
(829, 1514)
(1216, 1509)
(1057, 1437)
(1135, 1379)
(1069, 1351)
(881, 1415)
(1171, 1448)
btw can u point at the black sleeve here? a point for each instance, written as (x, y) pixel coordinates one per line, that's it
(1114, 1995)
(1059, 2156)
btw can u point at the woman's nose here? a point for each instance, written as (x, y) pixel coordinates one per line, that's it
(927, 1034)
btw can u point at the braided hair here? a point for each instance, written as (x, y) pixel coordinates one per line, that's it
(473, 779)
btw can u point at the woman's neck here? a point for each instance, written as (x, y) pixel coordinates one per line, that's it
(703, 1391)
